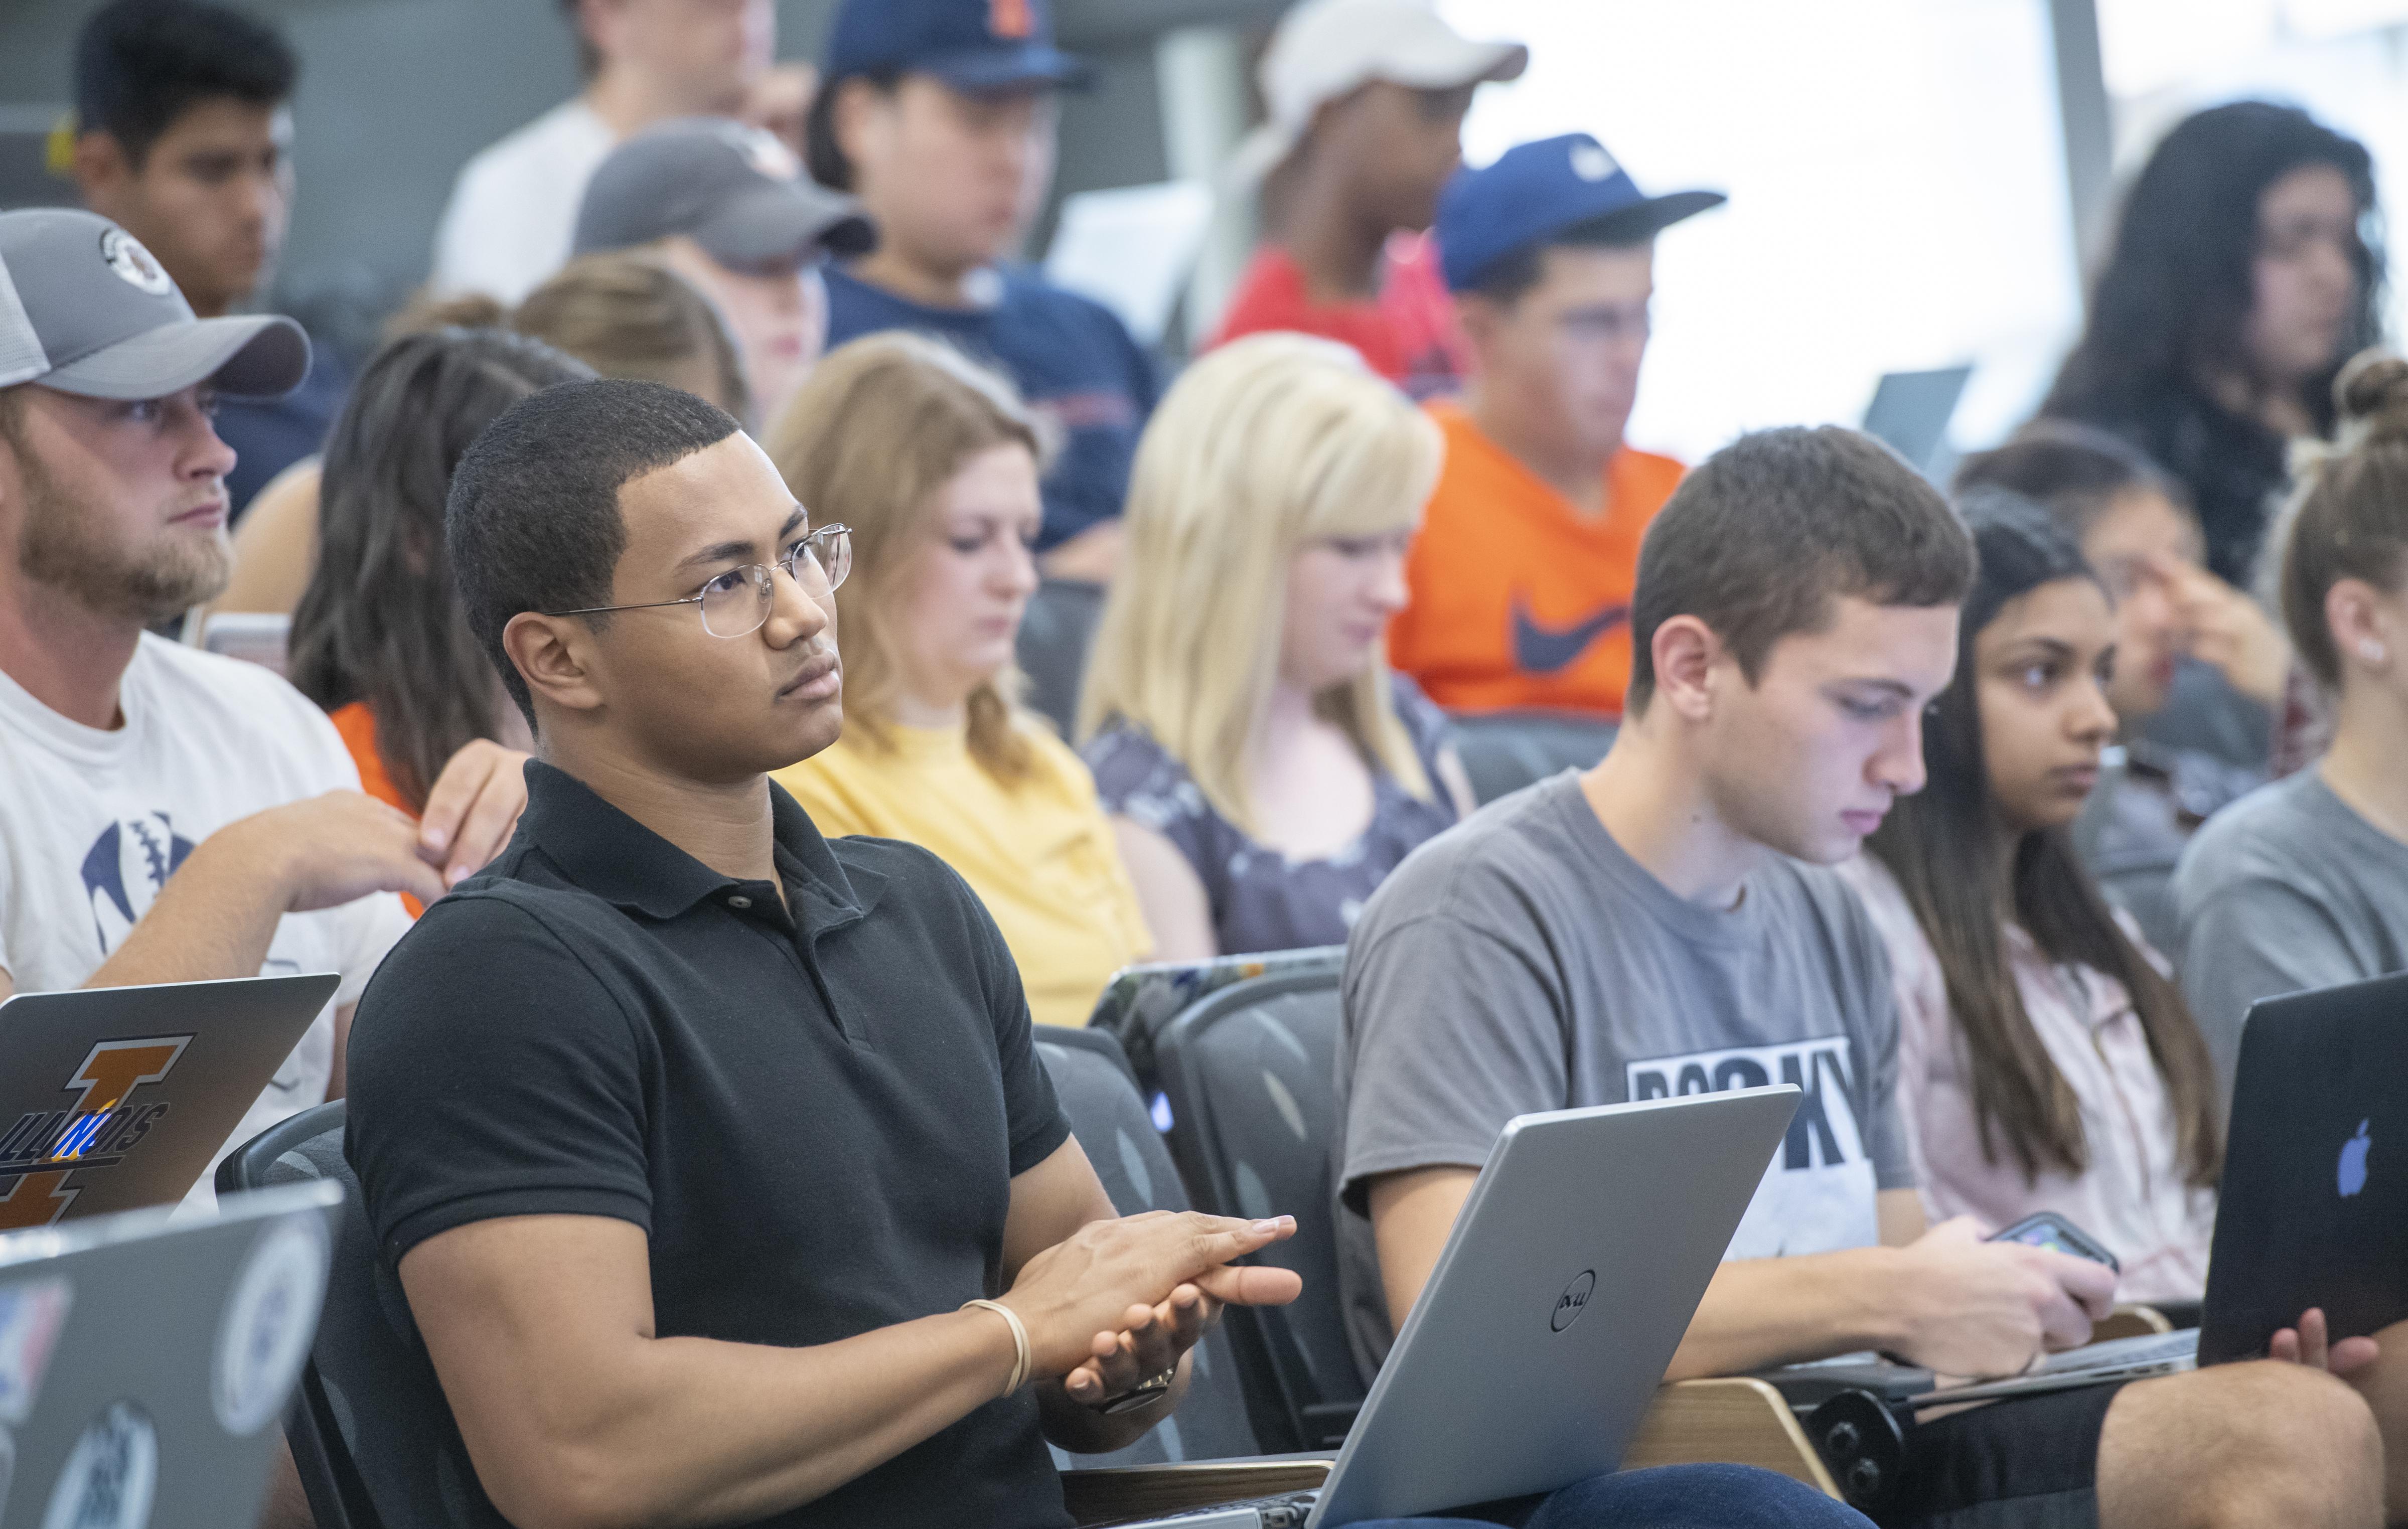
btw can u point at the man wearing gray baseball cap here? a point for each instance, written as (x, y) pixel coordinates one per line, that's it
(165, 814)
(727, 206)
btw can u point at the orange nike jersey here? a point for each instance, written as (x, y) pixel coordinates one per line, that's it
(1518, 599)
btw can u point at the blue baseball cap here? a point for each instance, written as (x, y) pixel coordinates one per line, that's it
(972, 45)
(1537, 191)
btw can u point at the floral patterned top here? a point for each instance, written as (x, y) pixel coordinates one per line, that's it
(1260, 899)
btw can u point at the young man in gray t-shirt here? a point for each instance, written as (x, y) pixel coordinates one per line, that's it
(1663, 924)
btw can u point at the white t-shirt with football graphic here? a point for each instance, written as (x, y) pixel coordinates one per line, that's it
(92, 822)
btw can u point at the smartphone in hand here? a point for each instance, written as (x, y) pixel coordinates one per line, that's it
(2053, 1232)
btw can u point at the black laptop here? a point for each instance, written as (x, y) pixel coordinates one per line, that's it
(2314, 1203)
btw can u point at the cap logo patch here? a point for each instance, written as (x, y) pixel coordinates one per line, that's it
(134, 266)
(1591, 163)
(1012, 19)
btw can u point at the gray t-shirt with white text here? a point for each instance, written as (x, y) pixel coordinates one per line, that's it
(1524, 962)
(2285, 890)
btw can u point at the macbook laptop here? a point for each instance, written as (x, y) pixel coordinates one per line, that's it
(144, 1365)
(2314, 1201)
(113, 1098)
(1538, 1345)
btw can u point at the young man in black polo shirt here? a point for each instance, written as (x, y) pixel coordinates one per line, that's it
(691, 1132)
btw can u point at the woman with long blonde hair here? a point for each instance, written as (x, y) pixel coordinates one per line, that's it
(1264, 768)
(932, 463)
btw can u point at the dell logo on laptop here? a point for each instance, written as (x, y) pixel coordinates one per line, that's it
(1574, 1300)
(2352, 1174)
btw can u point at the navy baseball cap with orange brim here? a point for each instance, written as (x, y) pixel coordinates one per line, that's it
(85, 309)
(982, 47)
(1537, 192)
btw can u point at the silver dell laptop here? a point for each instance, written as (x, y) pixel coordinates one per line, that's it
(1538, 1343)
(115, 1098)
(145, 1364)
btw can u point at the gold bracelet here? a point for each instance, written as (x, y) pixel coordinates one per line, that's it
(1019, 1341)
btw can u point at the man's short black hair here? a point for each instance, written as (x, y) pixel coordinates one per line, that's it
(1509, 278)
(824, 158)
(1762, 539)
(140, 65)
(532, 519)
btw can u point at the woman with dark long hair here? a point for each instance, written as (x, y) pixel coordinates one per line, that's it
(379, 638)
(2244, 270)
(2046, 1062)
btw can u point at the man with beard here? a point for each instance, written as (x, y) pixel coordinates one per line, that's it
(166, 815)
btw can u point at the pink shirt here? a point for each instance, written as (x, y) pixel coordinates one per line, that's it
(2136, 1196)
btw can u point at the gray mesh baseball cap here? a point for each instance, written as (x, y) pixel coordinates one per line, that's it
(84, 309)
(732, 189)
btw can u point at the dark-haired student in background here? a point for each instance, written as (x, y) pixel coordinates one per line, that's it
(1367, 100)
(2045, 1061)
(378, 638)
(939, 115)
(184, 140)
(1667, 916)
(2239, 280)
(624, 315)
(1521, 576)
(2135, 529)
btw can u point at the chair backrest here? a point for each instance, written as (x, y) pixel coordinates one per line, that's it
(1251, 1073)
(311, 1146)
(1503, 751)
(1055, 632)
(1141, 1001)
(1109, 1116)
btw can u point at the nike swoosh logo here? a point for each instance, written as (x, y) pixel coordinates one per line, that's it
(1550, 650)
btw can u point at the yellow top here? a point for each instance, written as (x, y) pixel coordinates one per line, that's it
(1039, 855)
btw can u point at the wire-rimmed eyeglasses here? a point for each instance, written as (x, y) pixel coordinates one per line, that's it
(735, 603)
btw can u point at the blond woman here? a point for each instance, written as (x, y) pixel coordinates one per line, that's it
(932, 463)
(1264, 768)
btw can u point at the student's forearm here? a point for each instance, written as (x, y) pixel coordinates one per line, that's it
(214, 919)
(691, 1432)
(1761, 1312)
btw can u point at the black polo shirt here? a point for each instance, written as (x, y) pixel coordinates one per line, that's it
(816, 1119)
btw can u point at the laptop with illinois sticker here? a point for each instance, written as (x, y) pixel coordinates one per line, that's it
(146, 1361)
(1536, 1349)
(115, 1098)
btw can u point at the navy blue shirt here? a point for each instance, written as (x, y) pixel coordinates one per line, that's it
(814, 1116)
(1072, 359)
(269, 434)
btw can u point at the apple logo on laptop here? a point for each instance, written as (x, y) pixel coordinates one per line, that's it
(2353, 1161)
(1574, 1301)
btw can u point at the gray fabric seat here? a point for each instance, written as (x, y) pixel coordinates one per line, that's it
(1503, 751)
(1251, 1074)
(1108, 1116)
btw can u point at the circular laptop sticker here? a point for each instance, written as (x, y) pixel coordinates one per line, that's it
(111, 1475)
(269, 1318)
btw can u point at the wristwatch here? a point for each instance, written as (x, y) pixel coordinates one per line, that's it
(1147, 1391)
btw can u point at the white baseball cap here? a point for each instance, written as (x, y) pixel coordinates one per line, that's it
(1325, 48)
